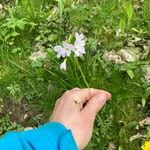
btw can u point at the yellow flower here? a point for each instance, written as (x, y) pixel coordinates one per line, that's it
(146, 145)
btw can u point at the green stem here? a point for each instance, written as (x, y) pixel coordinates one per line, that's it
(13, 63)
(121, 110)
(82, 73)
(59, 79)
(74, 72)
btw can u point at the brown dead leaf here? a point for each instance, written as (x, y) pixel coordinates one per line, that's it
(137, 136)
(111, 146)
(144, 122)
(28, 128)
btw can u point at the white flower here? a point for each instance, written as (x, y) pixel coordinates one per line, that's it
(79, 51)
(80, 39)
(68, 48)
(38, 55)
(63, 51)
(79, 36)
(79, 44)
(60, 51)
(63, 65)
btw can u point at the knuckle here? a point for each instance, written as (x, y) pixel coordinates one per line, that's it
(76, 88)
(70, 94)
(67, 93)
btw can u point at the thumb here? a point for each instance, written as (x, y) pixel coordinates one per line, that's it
(96, 103)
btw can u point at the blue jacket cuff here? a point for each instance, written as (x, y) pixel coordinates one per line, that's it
(53, 134)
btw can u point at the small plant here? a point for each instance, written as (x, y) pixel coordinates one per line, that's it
(15, 91)
(11, 27)
(128, 13)
(6, 125)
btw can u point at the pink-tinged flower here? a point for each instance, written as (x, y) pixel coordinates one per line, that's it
(68, 48)
(79, 44)
(63, 65)
(60, 51)
(79, 37)
(79, 51)
(63, 51)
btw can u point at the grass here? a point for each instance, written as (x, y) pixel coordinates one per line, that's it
(44, 24)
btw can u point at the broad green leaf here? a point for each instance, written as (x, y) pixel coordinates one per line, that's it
(129, 11)
(148, 132)
(122, 24)
(120, 147)
(61, 7)
(14, 33)
(143, 102)
(130, 73)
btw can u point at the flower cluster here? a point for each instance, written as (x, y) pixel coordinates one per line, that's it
(65, 50)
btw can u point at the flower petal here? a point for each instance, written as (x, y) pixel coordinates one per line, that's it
(58, 48)
(63, 65)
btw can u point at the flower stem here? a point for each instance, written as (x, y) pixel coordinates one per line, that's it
(83, 76)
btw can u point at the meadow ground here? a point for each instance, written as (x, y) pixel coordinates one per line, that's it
(117, 59)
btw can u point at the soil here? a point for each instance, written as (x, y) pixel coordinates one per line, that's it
(24, 113)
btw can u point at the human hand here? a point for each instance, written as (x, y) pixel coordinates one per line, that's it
(77, 109)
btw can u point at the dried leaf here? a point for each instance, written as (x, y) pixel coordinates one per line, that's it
(28, 128)
(144, 122)
(25, 116)
(137, 136)
(111, 146)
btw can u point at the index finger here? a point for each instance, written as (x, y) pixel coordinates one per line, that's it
(86, 94)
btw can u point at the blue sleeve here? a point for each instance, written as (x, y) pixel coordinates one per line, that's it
(52, 136)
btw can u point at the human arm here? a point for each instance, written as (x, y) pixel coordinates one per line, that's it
(71, 124)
